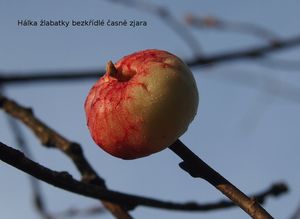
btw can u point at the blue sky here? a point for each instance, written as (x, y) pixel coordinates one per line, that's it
(247, 132)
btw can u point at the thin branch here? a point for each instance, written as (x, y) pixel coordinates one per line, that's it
(249, 53)
(50, 138)
(165, 15)
(26, 116)
(197, 168)
(38, 198)
(65, 181)
(264, 83)
(238, 54)
(75, 212)
(254, 113)
(21, 143)
(296, 214)
(49, 76)
(280, 64)
(213, 22)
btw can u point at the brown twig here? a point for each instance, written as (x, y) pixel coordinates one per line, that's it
(199, 169)
(50, 138)
(65, 181)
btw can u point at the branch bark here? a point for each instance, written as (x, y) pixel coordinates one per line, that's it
(50, 138)
(197, 168)
(65, 181)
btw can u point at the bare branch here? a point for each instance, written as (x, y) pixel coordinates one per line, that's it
(296, 214)
(26, 116)
(49, 76)
(248, 53)
(50, 138)
(213, 22)
(165, 15)
(38, 198)
(197, 168)
(65, 181)
(266, 84)
(280, 64)
(75, 212)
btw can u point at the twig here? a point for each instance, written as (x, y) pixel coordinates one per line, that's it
(65, 181)
(199, 169)
(50, 138)
(39, 128)
(50, 76)
(267, 84)
(280, 64)
(72, 212)
(21, 142)
(221, 24)
(165, 15)
(249, 53)
(296, 214)
(213, 22)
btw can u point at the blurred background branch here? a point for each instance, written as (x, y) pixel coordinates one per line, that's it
(69, 75)
(296, 214)
(166, 16)
(21, 143)
(213, 22)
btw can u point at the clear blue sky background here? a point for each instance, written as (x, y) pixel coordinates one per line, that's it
(247, 132)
